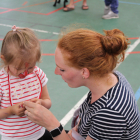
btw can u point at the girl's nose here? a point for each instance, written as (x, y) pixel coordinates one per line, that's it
(30, 70)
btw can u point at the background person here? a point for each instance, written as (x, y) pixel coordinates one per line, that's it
(71, 6)
(111, 9)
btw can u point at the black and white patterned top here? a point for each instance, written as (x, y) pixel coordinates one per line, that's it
(112, 117)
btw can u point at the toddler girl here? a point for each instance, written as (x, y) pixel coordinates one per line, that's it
(21, 80)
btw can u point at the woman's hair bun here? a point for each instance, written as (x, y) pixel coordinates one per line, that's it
(114, 42)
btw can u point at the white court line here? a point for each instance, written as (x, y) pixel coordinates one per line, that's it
(69, 115)
(41, 31)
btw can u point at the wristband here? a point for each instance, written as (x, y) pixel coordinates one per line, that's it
(57, 131)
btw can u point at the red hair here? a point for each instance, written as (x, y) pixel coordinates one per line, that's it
(99, 53)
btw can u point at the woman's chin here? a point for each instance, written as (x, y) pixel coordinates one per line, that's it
(72, 86)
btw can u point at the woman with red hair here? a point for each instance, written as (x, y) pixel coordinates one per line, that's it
(87, 58)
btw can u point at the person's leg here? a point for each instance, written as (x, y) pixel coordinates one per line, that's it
(70, 6)
(85, 6)
(107, 2)
(111, 11)
(114, 6)
(107, 8)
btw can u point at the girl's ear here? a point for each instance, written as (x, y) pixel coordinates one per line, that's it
(85, 73)
(2, 57)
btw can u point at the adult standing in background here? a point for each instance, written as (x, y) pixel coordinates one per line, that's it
(71, 6)
(111, 9)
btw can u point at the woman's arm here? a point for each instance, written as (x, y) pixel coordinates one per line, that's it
(62, 136)
(43, 117)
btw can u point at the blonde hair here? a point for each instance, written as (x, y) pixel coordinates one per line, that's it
(21, 46)
(99, 53)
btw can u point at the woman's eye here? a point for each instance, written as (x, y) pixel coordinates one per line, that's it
(62, 70)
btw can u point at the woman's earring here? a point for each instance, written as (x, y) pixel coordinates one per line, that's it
(83, 77)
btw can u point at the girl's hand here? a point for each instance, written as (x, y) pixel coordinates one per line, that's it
(44, 102)
(18, 109)
(36, 100)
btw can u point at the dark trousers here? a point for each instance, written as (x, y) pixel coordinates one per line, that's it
(47, 136)
(114, 5)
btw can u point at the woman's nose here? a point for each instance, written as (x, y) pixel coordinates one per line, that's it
(57, 72)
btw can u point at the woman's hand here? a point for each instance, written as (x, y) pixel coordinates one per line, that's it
(18, 109)
(40, 115)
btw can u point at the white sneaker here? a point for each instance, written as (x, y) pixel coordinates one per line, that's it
(107, 10)
(110, 15)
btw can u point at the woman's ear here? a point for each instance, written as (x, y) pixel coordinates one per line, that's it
(85, 73)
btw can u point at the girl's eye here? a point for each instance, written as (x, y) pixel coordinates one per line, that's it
(62, 70)
(30, 68)
(24, 68)
(19, 69)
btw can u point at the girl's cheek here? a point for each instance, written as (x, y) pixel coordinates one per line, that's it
(15, 72)
(18, 72)
(31, 70)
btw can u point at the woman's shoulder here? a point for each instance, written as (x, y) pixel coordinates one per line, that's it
(121, 97)
(124, 82)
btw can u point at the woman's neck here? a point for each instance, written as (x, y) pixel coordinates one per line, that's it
(99, 86)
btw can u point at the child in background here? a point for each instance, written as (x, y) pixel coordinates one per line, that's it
(21, 80)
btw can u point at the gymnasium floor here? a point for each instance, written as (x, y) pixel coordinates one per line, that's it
(47, 22)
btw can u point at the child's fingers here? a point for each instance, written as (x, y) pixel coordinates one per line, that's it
(21, 114)
(21, 106)
(22, 109)
(34, 100)
(38, 102)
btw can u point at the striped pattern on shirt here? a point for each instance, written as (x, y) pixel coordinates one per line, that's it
(114, 116)
(21, 90)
